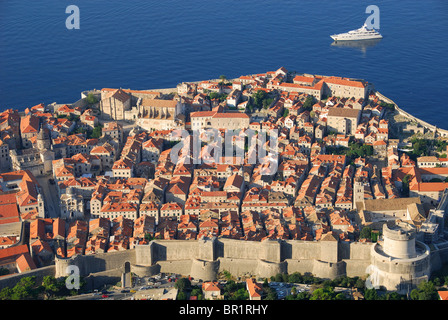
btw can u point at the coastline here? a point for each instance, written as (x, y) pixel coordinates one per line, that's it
(430, 127)
(424, 124)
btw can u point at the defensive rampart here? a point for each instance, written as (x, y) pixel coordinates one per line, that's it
(205, 259)
(428, 126)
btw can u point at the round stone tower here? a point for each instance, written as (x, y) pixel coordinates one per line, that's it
(399, 240)
(399, 262)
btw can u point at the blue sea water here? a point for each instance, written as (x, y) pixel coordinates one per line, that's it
(144, 44)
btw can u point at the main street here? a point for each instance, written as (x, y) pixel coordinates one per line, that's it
(50, 195)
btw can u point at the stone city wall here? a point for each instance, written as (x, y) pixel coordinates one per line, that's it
(9, 281)
(99, 262)
(205, 259)
(430, 127)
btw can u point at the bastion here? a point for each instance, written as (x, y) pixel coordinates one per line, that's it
(204, 259)
(399, 262)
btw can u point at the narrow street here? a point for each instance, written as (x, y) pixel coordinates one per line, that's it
(50, 194)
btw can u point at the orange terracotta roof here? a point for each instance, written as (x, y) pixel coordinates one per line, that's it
(254, 288)
(13, 251)
(9, 213)
(345, 82)
(29, 124)
(25, 262)
(443, 295)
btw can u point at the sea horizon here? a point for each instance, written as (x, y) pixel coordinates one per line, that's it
(150, 45)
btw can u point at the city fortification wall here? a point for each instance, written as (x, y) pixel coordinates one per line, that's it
(204, 259)
(430, 127)
(95, 263)
(9, 281)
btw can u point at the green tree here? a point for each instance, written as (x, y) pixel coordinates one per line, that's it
(394, 296)
(24, 289)
(425, 291)
(309, 102)
(360, 284)
(241, 294)
(326, 293)
(366, 233)
(149, 236)
(267, 103)
(96, 132)
(196, 292)
(91, 99)
(414, 294)
(6, 294)
(270, 293)
(183, 284)
(371, 294)
(278, 277)
(295, 277)
(181, 295)
(50, 285)
(405, 183)
(227, 275)
(223, 78)
(265, 283)
(304, 295)
(261, 99)
(340, 296)
(445, 280)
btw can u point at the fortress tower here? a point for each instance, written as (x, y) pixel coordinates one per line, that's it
(399, 262)
(399, 240)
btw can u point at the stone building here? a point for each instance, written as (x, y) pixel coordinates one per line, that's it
(160, 114)
(343, 120)
(29, 128)
(343, 87)
(219, 120)
(113, 105)
(71, 205)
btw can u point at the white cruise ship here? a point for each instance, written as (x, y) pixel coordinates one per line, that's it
(359, 34)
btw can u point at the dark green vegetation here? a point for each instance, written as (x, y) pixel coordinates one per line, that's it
(71, 117)
(369, 234)
(423, 147)
(220, 96)
(388, 106)
(309, 103)
(91, 99)
(183, 285)
(354, 150)
(235, 291)
(94, 133)
(50, 288)
(261, 99)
